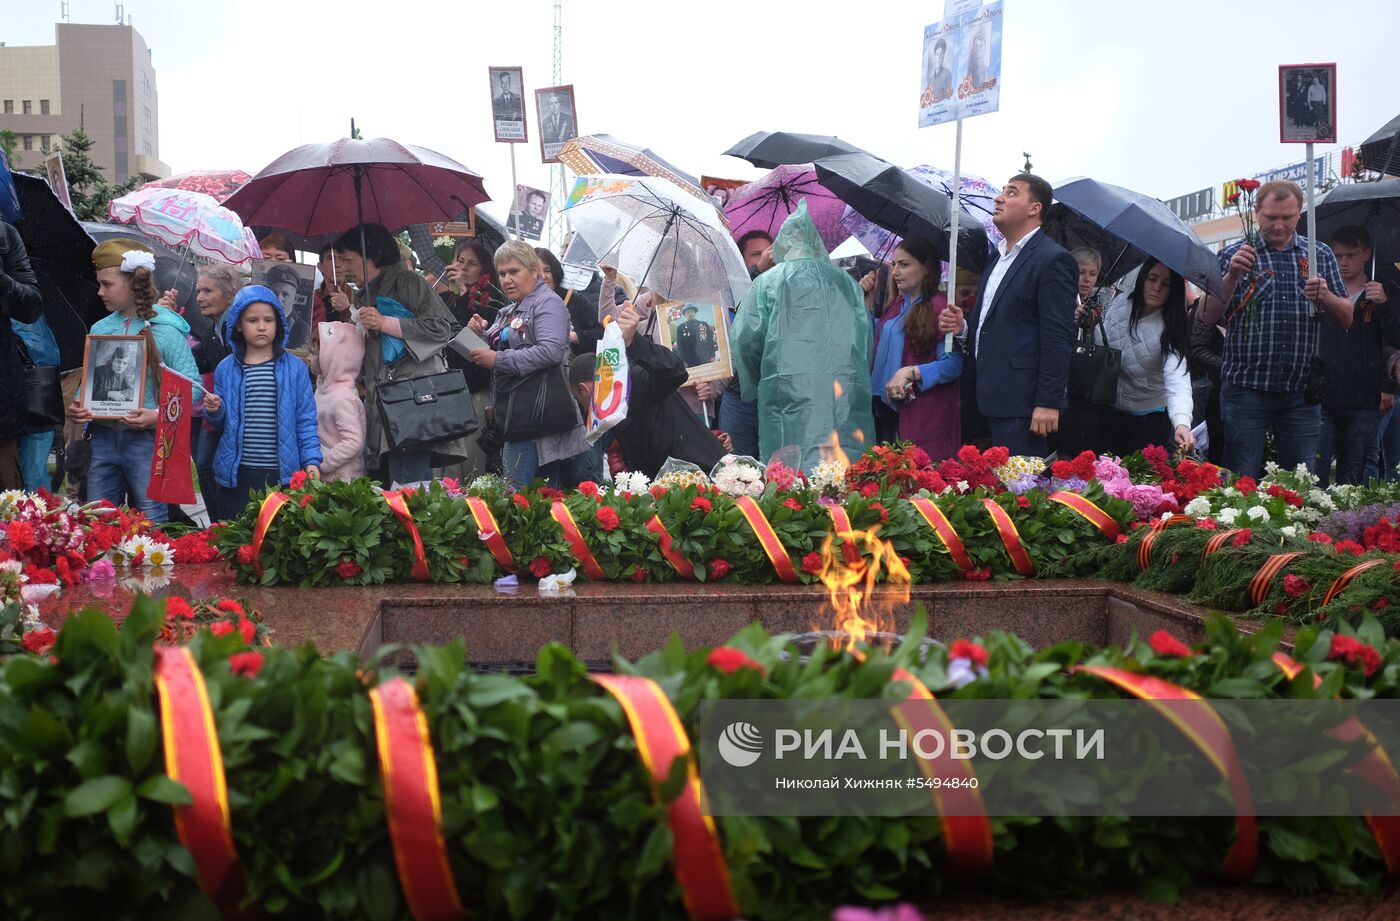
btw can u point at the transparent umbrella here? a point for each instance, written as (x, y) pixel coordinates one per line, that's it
(664, 237)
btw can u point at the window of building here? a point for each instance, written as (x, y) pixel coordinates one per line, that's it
(29, 142)
(9, 107)
(28, 107)
(43, 107)
(46, 142)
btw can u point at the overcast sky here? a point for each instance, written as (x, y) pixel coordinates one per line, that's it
(1165, 99)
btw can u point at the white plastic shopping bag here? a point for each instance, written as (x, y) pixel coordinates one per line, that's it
(612, 385)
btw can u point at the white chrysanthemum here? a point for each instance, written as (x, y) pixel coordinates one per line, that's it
(1289, 530)
(1258, 512)
(1272, 467)
(631, 481)
(1228, 515)
(1198, 507)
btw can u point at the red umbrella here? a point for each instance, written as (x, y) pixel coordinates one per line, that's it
(217, 183)
(319, 189)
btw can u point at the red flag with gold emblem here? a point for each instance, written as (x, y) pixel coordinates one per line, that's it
(171, 476)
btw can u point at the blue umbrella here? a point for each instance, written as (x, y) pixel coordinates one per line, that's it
(1146, 224)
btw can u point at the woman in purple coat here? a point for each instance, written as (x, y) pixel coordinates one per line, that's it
(915, 382)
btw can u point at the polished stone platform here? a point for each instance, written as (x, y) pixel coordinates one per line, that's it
(596, 619)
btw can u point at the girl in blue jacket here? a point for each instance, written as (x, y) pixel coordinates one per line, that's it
(263, 403)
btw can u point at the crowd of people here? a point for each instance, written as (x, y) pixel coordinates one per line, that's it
(1298, 363)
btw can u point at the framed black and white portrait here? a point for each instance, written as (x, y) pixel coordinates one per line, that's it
(294, 284)
(558, 120)
(1307, 103)
(508, 104)
(113, 380)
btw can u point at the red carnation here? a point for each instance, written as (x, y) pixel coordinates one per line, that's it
(245, 554)
(1249, 185)
(221, 628)
(730, 660)
(657, 492)
(701, 503)
(520, 500)
(539, 567)
(1023, 502)
(977, 575)
(298, 480)
(638, 573)
(549, 492)
(1164, 644)
(306, 499)
(1247, 485)
(884, 512)
(1242, 538)
(20, 535)
(348, 569)
(245, 664)
(1380, 604)
(607, 518)
(38, 641)
(38, 575)
(1354, 653)
(1233, 198)
(1293, 586)
(1349, 546)
(719, 568)
(966, 649)
(812, 563)
(869, 489)
(793, 504)
(1061, 470)
(246, 628)
(178, 607)
(969, 454)
(588, 488)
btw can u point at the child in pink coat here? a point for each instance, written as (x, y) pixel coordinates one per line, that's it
(340, 413)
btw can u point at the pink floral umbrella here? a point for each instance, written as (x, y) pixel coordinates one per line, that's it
(189, 219)
(218, 184)
(765, 203)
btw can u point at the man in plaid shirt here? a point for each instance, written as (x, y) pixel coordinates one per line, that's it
(1271, 313)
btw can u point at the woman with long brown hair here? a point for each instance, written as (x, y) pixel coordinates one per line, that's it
(914, 381)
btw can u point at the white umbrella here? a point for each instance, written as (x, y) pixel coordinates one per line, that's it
(655, 232)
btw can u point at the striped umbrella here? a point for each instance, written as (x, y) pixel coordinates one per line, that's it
(602, 153)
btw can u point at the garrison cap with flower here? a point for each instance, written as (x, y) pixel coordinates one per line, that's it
(123, 253)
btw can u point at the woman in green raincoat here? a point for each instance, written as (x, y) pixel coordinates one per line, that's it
(802, 346)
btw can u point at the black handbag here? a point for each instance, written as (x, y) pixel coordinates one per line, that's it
(532, 405)
(43, 391)
(1094, 369)
(422, 410)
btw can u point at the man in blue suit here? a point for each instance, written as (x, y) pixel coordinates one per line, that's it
(1020, 331)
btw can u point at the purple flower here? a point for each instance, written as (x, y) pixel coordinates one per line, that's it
(1073, 484)
(1024, 483)
(1350, 525)
(901, 912)
(1145, 499)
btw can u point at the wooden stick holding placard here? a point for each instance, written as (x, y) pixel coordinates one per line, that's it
(952, 291)
(1312, 218)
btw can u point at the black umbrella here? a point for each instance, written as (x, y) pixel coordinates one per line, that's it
(770, 149)
(902, 204)
(1073, 231)
(1144, 222)
(1372, 205)
(1381, 151)
(60, 251)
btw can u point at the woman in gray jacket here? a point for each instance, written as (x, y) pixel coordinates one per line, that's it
(397, 304)
(531, 334)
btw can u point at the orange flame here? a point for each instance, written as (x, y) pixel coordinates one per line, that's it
(852, 562)
(831, 450)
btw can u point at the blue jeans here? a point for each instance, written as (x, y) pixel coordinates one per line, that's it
(1015, 435)
(1349, 434)
(520, 464)
(34, 459)
(739, 418)
(408, 465)
(234, 499)
(202, 447)
(587, 465)
(1384, 453)
(1249, 414)
(120, 470)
